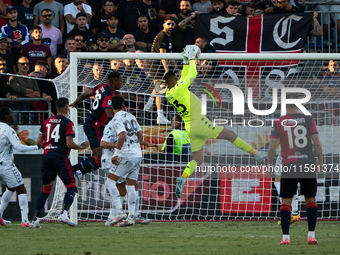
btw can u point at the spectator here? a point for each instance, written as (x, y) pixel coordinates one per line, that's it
(57, 11)
(177, 35)
(40, 70)
(128, 12)
(202, 41)
(25, 14)
(259, 11)
(188, 26)
(36, 51)
(129, 44)
(152, 10)
(80, 43)
(91, 45)
(284, 6)
(114, 33)
(103, 42)
(18, 32)
(71, 10)
(22, 87)
(3, 16)
(144, 36)
(217, 7)
(266, 6)
(47, 42)
(50, 31)
(232, 8)
(70, 46)
(9, 58)
(80, 27)
(9, 43)
(100, 21)
(169, 8)
(116, 64)
(250, 9)
(202, 6)
(4, 89)
(48, 89)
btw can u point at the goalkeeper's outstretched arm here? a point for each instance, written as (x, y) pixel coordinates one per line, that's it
(190, 73)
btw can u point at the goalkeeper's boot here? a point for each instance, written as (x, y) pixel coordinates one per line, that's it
(35, 222)
(285, 242)
(141, 220)
(126, 223)
(109, 221)
(118, 218)
(148, 105)
(179, 186)
(161, 120)
(312, 240)
(295, 218)
(262, 155)
(64, 219)
(2, 222)
(25, 224)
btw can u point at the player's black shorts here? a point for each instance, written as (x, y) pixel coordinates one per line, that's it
(54, 165)
(93, 133)
(308, 184)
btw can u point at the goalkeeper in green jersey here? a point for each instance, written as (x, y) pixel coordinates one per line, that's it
(198, 126)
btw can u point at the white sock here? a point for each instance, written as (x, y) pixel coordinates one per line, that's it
(137, 203)
(114, 193)
(113, 212)
(285, 237)
(257, 153)
(6, 196)
(122, 200)
(150, 100)
(23, 203)
(295, 204)
(311, 234)
(277, 186)
(132, 200)
(160, 113)
(64, 213)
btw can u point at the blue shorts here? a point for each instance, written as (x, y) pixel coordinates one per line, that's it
(94, 134)
(54, 165)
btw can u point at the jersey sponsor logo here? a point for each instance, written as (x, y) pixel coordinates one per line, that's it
(109, 102)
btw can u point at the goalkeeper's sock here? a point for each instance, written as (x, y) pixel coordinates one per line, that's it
(189, 169)
(131, 200)
(277, 186)
(114, 193)
(312, 213)
(151, 100)
(23, 203)
(6, 196)
(241, 144)
(88, 165)
(295, 204)
(285, 218)
(69, 196)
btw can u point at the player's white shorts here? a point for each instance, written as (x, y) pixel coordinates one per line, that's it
(278, 165)
(11, 176)
(107, 170)
(127, 168)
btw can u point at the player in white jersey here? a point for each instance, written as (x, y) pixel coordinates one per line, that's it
(9, 174)
(109, 143)
(127, 159)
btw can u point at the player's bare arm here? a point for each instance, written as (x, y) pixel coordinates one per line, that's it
(72, 145)
(318, 150)
(82, 97)
(121, 140)
(107, 145)
(109, 113)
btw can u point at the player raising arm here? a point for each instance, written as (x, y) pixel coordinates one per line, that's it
(296, 132)
(9, 174)
(94, 124)
(56, 136)
(198, 126)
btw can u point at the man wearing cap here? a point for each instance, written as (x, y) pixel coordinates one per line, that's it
(10, 67)
(71, 10)
(49, 31)
(114, 33)
(91, 45)
(80, 27)
(103, 42)
(17, 31)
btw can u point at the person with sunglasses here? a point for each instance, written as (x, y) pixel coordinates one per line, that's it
(284, 6)
(50, 31)
(81, 29)
(80, 43)
(103, 42)
(10, 67)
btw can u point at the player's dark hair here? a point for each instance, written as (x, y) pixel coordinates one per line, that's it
(169, 75)
(3, 112)
(113, 74)
(117, 102)
(232, 3)
(61, 103)
(292, 96)
(204, 38)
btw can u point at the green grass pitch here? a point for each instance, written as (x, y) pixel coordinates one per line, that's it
(176, 238)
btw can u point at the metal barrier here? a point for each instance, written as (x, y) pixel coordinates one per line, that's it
(34, 117)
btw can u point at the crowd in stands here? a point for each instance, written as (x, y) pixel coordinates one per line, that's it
(37, 37)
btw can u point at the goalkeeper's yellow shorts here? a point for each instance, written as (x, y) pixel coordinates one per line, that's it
(200, 130)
